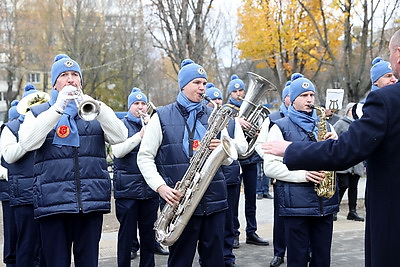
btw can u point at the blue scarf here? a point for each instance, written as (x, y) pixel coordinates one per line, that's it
(374, 87)
(235, 102)
(66, 129)
(133, 118)
(193, 109)
(306, 122)
(284, 109)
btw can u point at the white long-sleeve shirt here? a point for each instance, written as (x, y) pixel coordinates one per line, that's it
(274, 166)
(10, 147)
(152, 140)
(122, 149)
(34, 130)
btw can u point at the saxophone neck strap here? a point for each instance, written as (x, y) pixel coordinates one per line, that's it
(191, 136)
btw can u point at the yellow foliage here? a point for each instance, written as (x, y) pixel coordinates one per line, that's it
(274, 28)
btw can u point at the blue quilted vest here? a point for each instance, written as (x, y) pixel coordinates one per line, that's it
(128, 181)
(70, 179)
(20, 173)
(300, 199)
(172, 162)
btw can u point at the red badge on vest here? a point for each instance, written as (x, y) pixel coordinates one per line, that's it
(63, 131)
(196, 144)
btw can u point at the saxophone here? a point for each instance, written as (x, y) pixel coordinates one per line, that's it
(203, 165)
(326, 188)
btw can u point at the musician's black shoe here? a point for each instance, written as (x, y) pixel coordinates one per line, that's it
(236, 243)
(259, 196)
(353, 215)
(335, 217)
(276, 261)
(159, 250)
(254, 239)
(133, 254)
(268, 195)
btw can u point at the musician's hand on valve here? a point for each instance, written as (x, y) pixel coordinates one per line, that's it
(244, 124)
(214, 143)
(65, 96)
(170, 195)
(315, 176)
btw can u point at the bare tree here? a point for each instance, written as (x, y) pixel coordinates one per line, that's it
(182, 29)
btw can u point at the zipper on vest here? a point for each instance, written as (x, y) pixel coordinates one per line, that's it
(77, 178)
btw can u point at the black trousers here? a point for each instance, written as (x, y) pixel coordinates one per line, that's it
(10, 235)
(62, 232)
(132, 214)
(348, 181)
(308, 240)
(278, 230)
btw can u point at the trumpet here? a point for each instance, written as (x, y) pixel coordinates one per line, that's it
(88, 109)
(151, 108)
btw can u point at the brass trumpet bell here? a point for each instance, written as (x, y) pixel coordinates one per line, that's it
(31, 100)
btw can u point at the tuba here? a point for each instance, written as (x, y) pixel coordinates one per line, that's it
(327, 187)
(252, 111)
(203, 165)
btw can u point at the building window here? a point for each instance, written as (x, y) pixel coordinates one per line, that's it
(33, 78)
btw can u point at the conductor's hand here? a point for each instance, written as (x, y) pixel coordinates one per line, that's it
(65, 96)
(315, 176)
(331, 135)
(169, 194)
(214, 143)
(275, 147)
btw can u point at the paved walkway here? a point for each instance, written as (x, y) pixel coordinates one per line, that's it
(347, 248)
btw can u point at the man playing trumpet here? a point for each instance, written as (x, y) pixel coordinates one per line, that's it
(72, 188)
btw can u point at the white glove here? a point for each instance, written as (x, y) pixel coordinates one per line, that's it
(65, 96)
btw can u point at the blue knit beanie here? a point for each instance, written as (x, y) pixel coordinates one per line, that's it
(235, 84)
(63, 63)
(285, 90)
(12, 112)
(299, 85)
(213, 92)
(190, 71)
(29, 89)
(379, 68)
(136, 95)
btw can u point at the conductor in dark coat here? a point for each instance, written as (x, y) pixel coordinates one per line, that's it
(374, 137)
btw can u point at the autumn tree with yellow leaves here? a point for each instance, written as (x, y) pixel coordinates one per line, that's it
(282, 36)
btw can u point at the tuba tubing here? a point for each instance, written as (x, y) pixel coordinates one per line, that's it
(252, 111)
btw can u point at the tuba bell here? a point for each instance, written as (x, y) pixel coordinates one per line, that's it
(252, 111)
(31, 100)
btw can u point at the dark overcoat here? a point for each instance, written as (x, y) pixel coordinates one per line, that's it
(375, 138)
